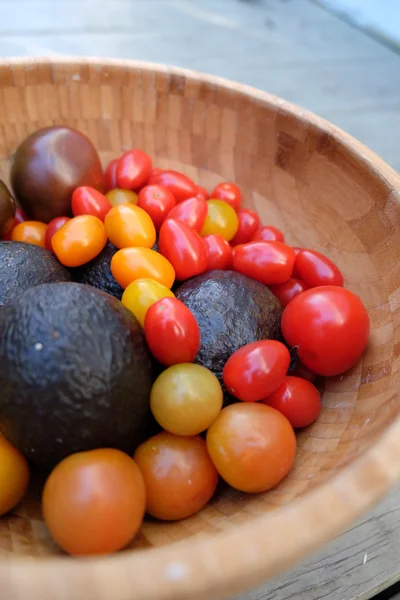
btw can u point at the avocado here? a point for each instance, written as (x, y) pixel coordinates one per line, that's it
(75, 373)
(97, 272)
(23, 266)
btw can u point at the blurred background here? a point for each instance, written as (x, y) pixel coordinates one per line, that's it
(338, 58)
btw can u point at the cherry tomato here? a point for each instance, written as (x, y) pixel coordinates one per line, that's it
(252, 446)
(79, 241)
(184, 249)
(128, 225)
(256, 370)
(221, 219)
(316, 269)
(52, 227)
(329, 325)
(202, 193)
(296, 250)
(298, 400)
(157, 201)
(219, 252)
(31, 232)
(110, 176)
(14, 476)
(129, 264)
(186, 399)
(301, 370)
(156, 171)
(285, 292)
(179, 475)
(229, 193)
(178, 184)
(143, 293)
(249, 222)
(19, 217)
(118, 196)
(134, 169)
(268, 233)
(94, 502)
(193, 212)
(267, 262)
(88, 201)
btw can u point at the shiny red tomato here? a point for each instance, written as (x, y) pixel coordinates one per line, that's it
(316, 269)
(329, 325)
(181, 186)
(52, 227)
(156, 171)
(229, 193)
(88, 201)
(285, 292)
(157, 201)
(202, 193)
(268, 233)
(184, 249)
(256, 370)
(134, 169)
(172, 332)
(110, 176)
(298, 400)
(192, 211)
(249, 222)
(219, 252)
(267, 262)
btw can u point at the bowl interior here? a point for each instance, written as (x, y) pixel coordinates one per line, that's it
(318, 186)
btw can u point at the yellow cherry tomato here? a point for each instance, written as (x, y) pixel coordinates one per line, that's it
(14, 476)
(221, 220)
(143, 293)
(32, 232)
(129, 264)
(120, 196)
(128, 225)
(79, 241)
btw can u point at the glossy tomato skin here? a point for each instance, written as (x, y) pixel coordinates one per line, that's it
(79, 241)
(193, 212)
(285, 292)
(252, 446)
(129, 264)
(298, 400)
(229, 193)
(134, 169)
(316, 269)
(14, 476)
(110, 176)
(256, 370)
(157, 201)
(178, 184)
(267, 262)
(184, 249)
(221, 220)
(329, 325)
(268, 233)
(129, 225)
(143, 293)
(172, 332)
(88, 201)
(179, 475)
(249, 222)
(31, 232)
(219, 253)
(52, 227)
(202, 193)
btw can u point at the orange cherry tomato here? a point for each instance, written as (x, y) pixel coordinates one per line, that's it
(110, 176)
(221, 219)
(129, 264)
(192, 211)
(179, 475)
(94, 502)
(79, 241)
(228, 192)
(128, 225)
(14, 475)
(32, 232)
(157, 201)
(88, 201)
(134, 169)
(252, 446)
(119, 196)
(52, 227)
(143, 293)
(219, 252)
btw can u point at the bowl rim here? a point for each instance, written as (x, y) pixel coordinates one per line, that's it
(227, 562)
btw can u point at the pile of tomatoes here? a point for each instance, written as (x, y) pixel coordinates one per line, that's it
(94, 502)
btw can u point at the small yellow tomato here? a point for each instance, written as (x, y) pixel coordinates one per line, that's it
(128, 225)
(221, 220)
(120, 196)
(143, 293)
(129, 264)
(14, 476)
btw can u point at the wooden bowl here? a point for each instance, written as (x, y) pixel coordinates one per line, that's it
(324, 190)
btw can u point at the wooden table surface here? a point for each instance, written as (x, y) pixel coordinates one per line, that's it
(292, 48)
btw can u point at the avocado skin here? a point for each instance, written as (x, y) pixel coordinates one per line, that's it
(76, 373)
(23, 266)
(97, 272)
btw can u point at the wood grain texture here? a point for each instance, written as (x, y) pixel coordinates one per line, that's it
(324, 190)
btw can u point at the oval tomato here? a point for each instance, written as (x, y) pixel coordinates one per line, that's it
(298, 400)
(193, 212)
(157, 201)
(221, 220)
(110, 176)
(268, 233)
(79, 241)
(129, 225)
(316, 269)
(143, 293)
(88, 201)
(285, 292)
(52, 227)
(118, 196)
(178, 184)
(249, 222)
(134, 169)
(184, 249)
(129, 264)
(219, 252)
(229, 193)
(267, 262)
(31, 232)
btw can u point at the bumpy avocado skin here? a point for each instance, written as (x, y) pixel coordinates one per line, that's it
(97, 272)
(75, 373)
(23, 266)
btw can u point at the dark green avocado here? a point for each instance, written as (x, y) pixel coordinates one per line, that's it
(97, 272)
(75, 373)
(23, 266)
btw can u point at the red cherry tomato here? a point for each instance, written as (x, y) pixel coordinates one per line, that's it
(298, 400)
(181, 186)
(134, 169)
(52, 227)
(184, 249)
(285, 292)
(156, 171)
(316, 269)
(219, 252)
(267, 262)
(202, 193)
(301, 370)
(157, 201)
(110, 176)
(256, 370)
(249, 222)
(172, 332)
(193, 212)
(296, 250)
(329, 325)
(229, 193)
(268, 233)
(88, 201)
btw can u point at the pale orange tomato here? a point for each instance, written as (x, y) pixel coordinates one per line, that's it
(14, 476)
(128, 225)
(79, 241)
(129, 264)
(31, 232)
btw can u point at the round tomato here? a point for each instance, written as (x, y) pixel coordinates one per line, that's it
(316, 269)
(128, 225)
(94, 502)
(285, 292)
(157, 201)
(110, 176)
(14, 476)
(184, 249)
(267, 262)
(229, 193)
(252, 446)
(31, 232)
(178, 184)
(52, 227)
(134, 169)
(219, 252)
(329, 325)
(88, 201)
(202, 193)
(193, 212)
(129, 264)
(118, 196)
(268, 233)
(256, 370)
(249, 222)
(298, 400)
(79, 241)
(186, 399)
(143, 293)
(179, 475)
(221, 219)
